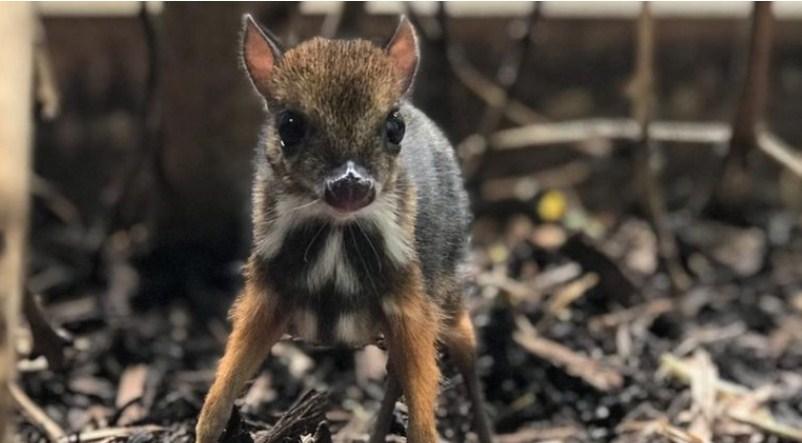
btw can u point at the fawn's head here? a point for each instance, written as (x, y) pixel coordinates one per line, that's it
(334, 128)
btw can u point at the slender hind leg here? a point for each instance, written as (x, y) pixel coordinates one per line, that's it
(460, 340)
(384, 419)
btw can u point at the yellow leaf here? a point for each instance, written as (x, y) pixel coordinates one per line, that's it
(552, 206)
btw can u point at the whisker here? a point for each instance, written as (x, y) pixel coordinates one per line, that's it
(305, 205)
(365, 266)
(311, 242)
(291, 210)
(365, 235)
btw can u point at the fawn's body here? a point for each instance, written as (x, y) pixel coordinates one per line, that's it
(360, 225)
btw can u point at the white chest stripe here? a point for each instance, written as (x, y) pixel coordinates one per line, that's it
(331, 266)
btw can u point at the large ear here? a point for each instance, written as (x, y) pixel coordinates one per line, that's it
(403, 50)
(260, 52)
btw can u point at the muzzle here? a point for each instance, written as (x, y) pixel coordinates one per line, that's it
(350, 188)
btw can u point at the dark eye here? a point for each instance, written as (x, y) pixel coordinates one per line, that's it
(394, 127)
(291, 129)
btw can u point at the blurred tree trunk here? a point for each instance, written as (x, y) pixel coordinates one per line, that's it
(210, 121)
(733, 190)
(16, 92)
(210, 127)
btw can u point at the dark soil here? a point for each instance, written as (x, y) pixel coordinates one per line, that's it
(152, 365)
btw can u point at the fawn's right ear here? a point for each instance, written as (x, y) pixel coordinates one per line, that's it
(260, 52)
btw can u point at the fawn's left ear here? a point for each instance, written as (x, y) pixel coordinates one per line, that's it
(260, 52)
(403, 50)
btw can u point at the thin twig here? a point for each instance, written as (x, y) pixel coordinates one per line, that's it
(647, 157)
(130, 392)
(47, 92)
(490, 92)
(47, 339)
(563, 297)
(150, 143)
(543, 434)
(150, 117)
(475, 148)
(55, 200)
(110, 433)
(745, 406)
(595, 129)
(682, 371)
(762, 419)
(660, 426)
(780, 151)
(650, 309)
(36, 415)
(592, 371)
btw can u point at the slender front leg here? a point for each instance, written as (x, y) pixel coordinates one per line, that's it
(460, 341)
(384, 419)
(412, 330)
(256, 327)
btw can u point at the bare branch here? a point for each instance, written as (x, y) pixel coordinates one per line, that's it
(47, 340)
(110, 434)
(780, 151)
(647, 162)
(491, 93)
(625, 129)
(643, 99)
(474, 149)
(578, 132)
(593, 371)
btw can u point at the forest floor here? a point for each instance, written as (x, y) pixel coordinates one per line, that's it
(582, 339)
(584, 335)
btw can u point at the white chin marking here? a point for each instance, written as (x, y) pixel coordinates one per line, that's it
(305, 325)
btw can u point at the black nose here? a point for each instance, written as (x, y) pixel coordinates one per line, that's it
(350, 189)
